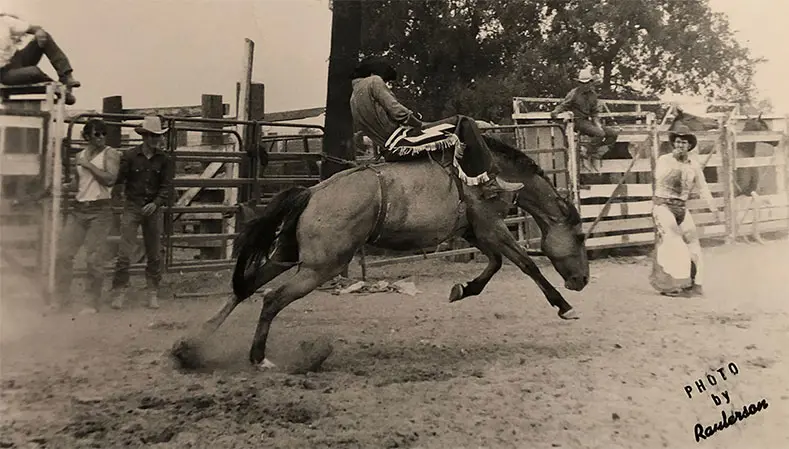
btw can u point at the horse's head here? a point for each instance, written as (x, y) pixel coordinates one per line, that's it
(695, 122)
(559, 221)
(563, 241)
(755, 124)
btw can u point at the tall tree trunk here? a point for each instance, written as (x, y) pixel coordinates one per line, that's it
(346, 34)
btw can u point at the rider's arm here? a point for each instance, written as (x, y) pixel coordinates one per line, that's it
(396, 111)
(565, 104)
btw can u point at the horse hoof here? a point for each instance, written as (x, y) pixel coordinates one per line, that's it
(266, 365)
(456, 294)
(569, 315)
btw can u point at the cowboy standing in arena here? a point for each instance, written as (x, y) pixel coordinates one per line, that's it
(678, 267)
(89, 221)
(400, 132)
(582, 102)
(21, 47)
(145, 173)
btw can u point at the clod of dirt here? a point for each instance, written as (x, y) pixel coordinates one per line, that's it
(310, 356)
(614, 416)
(159, 435)
(187, 354)
(167, 325)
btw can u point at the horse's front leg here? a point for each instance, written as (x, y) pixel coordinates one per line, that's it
(499, 238)
(476, 285)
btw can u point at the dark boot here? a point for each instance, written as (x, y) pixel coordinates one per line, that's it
(496, 185)
(69, 81)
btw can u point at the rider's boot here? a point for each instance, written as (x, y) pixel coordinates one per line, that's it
(496, 185)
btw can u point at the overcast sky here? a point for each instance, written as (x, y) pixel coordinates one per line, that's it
(169, 52)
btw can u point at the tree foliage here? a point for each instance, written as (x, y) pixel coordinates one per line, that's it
(473, 56)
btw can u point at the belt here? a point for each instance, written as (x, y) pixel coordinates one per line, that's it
(670, 201)
(94, 203)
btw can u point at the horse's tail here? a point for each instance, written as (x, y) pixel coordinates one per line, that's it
(253, 244)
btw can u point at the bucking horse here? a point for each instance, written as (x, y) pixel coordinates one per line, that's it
(398, 206)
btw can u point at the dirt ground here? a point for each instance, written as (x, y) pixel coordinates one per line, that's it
(497, 371)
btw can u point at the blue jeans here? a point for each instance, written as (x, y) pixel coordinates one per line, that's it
(152, 226)
(88, 225)
(601, 135)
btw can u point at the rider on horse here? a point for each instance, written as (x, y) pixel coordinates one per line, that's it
(402, 135)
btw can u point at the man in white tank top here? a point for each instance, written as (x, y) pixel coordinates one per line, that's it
(90, 217)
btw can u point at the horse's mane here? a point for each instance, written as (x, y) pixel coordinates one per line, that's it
(514, 155)
(529, 166)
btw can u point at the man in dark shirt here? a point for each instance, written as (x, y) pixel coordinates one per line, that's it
(582, 102)
(146, 173)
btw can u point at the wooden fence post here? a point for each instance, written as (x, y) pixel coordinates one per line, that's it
(114, 105)
(232, 170)
(728, 166)
(211, 107)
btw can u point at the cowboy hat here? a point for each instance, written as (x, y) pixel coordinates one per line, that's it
(375, 65)
(585, 76)
(151, 125)
(681, 130)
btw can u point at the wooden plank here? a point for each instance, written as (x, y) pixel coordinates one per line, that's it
(620, 225)
(20, 164)
(758, 136)
(22, 121)
(759, 161)
(175, 111)
(296, 114)
(631, 208)
(646, 238)
(701, 136)
(25, 89)
(609, 241)
(765, 214)
(189, 195)
(620, 166)
(716, 230)
(606, 190)
(630, 224)
(591, 211)
(632, 138)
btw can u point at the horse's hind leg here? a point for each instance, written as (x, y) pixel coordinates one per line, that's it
(188, 351)
(270, 270)
(475, 286)
(302, 283)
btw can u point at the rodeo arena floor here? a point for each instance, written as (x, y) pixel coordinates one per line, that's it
(410, 370)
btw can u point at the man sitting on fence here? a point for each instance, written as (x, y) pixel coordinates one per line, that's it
(145, 173)
(90, 217)
(582, 102)
(21, 47)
